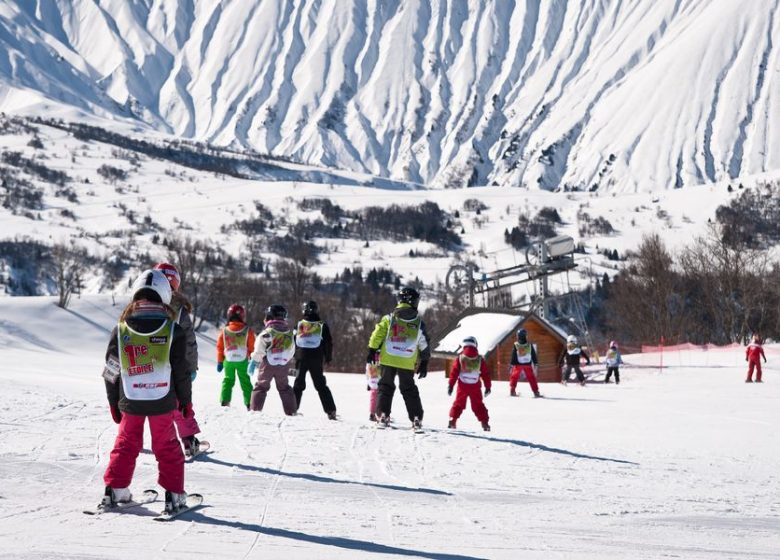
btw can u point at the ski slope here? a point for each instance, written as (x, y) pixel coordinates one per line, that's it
(681, 463)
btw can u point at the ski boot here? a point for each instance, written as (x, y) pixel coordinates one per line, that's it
(114, 496)
(332, 415)
(191, 446)
(513, 393)
(538, 395)
(452, 424)
(384, 420)
(372, 417)
(225, 403)
(174, 501)
(748, 381)
(417, 424)
(486, 426)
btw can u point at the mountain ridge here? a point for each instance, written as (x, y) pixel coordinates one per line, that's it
(638, 96)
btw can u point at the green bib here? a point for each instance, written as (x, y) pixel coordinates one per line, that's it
(144, 361)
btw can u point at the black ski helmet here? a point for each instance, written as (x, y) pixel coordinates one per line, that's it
(311, 308)
(275, 311)
(409, 296)
(522, 336)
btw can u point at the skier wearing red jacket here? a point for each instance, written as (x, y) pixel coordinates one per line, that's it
(753, 354)
(467, 369)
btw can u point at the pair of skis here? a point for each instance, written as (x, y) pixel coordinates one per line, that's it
(384, 426)
(194, 501)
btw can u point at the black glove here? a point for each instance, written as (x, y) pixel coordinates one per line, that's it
(371, 356)
(449, 389)
(422, 370)
(487, 391)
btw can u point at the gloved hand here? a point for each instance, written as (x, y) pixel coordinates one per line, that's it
(449, 389)
(422, 370)
(368, 387)
(371, 356)
(764, 360)
(252, 366)
(186, 410)
(220, 366)
(746, 359)
(116, 414)
(487, 391)
(193, 375)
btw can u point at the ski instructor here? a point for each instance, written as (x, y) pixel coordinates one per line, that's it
(401, 340)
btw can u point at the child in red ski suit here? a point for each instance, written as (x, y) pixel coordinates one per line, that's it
(187, 427)
(467, 369)
(523, 360)
(147, 377)
(753, 355)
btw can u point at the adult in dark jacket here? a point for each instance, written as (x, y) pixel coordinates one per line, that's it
(572, 357)
(147, 376)
(313, 349)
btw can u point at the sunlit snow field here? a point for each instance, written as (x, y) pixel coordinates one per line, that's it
(680, 463)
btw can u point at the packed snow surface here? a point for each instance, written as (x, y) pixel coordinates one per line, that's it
(674, 463)
(632, 95)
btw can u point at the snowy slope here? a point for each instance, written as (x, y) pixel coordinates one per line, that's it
(633, 95)
(188, 202)
(676, 464)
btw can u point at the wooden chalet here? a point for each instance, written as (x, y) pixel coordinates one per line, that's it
(495, 331)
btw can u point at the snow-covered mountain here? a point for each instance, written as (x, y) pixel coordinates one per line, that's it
(639, 94)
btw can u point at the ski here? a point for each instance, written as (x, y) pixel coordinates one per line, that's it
(147, 497)
(203, 449)
(194, 501)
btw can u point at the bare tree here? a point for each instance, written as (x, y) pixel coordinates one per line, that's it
(731, 288)
(648, 299)
(66, 271)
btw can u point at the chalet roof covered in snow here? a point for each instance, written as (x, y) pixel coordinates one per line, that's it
(489, 328)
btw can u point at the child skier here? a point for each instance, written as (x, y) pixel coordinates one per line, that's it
(234, 344)
(372, 386)
(523, 360)
(314, 347)
(186, 427)
(613, 360)
(753, 354)
(572, 357)
(467, 369)
(274, 349)
(147, 377)
(400, 339)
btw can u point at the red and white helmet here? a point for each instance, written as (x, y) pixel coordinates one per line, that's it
(171, 273)
(236, 310)
(154, 281)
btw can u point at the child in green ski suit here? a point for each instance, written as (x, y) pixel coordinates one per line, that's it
(234, 344)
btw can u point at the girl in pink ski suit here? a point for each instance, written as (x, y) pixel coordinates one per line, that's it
(147, 376)
(753, 354)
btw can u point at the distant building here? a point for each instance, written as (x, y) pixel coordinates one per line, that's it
(495, 331)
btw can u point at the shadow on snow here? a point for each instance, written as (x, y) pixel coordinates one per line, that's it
(318, 478)
(542, 448)
(339, 542)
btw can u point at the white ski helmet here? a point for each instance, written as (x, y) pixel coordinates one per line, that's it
(469, 341)
(154, 280)
(571, 339)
